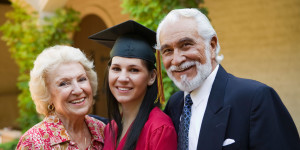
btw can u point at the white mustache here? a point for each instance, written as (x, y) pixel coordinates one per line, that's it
(183, 66)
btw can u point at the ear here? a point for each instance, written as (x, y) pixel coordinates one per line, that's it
(152, 77)
(213, 46)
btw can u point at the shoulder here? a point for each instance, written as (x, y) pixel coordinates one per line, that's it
(104, 120)
(96, 128)
(34, 137)
(95, 124)
(246, 87)
(158, 119)
(240, 92)
(94, 121)
(157, 130)
(175, 99)
(176, 96)
(250, 83)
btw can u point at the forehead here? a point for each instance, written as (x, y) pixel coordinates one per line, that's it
(181, 28)
(117, 60)
(65, 70)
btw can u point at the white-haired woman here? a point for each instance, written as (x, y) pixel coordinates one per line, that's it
(62, 85)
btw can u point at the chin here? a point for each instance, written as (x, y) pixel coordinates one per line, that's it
(82, 111)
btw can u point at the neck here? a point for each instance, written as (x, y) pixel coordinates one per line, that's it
(73, 124)
(77, 129)
(213, 65)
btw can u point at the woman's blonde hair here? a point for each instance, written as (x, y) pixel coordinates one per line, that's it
(49, 59)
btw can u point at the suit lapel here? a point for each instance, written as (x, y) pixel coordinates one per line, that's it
(178, 110)
(215, 119)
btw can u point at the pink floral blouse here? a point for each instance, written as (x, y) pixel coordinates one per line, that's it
(51, 134)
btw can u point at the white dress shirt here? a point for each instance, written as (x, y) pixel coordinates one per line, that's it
(199, 97)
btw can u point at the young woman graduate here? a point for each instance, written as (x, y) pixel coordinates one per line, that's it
(136, 122)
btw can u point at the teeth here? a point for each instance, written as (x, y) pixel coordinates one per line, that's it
(123, 89)
(78, 101)
(182, 67)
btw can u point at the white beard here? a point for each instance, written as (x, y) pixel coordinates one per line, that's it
(203, 71)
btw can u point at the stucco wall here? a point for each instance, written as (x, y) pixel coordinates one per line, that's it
(109, 11)
(260, 39)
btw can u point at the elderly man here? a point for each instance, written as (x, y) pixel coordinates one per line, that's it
(216, 110)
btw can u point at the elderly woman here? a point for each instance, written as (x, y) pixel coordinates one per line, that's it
(62, 85)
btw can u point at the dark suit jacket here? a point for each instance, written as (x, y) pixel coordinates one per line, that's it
(245, 110)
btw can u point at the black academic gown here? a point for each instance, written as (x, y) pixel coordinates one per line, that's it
(247, 111)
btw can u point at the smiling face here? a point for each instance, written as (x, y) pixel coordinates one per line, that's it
(70, 90)
(185, 55)
(128, 79)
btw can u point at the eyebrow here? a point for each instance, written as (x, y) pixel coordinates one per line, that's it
(118, 65)
(164, 46)
(70, 77)
(185, 39)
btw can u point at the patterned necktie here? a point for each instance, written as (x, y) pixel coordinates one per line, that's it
(184, 125)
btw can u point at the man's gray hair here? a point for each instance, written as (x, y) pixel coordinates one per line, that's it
(205, 29)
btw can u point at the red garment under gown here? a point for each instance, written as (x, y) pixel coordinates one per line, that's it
(158, 134)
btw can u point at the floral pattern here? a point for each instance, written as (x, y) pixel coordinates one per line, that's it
(50, 134)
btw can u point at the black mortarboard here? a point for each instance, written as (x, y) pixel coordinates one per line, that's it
(128, 39)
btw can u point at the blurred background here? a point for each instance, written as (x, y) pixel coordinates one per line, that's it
(260, 40)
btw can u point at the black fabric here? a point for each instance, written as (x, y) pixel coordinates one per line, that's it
(128, 39)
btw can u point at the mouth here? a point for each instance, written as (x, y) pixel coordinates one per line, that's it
(124, 89)
(78, 101)
(182, 69)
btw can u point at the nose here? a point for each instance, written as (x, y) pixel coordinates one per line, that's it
(178, 58)
(123, 76)
(76, 89)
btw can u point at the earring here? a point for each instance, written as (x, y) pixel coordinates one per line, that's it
(51, 107)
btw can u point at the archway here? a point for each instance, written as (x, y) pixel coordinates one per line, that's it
(89, 25)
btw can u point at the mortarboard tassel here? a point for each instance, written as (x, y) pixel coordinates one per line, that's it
(160, 86)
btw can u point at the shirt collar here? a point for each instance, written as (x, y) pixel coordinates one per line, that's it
(202, 92)
(59, 134)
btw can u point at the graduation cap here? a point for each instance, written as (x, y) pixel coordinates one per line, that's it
(128, 39)
(132, 40)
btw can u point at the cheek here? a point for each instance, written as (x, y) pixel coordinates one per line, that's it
(199, 55)
(88, 88)
(142, 81)
(166, 61)
(59, 96)
(111, 79)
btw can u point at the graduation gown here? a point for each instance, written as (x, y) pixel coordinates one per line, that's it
(158, 133)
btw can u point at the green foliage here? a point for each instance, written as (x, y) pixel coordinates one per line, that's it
(26, 36)
(9, 145)
(150, 13)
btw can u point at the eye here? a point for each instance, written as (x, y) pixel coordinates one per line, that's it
(115, 69)
(82, 79)
(186, 44)
(134, 70)
(63, 83)
(166, 51)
